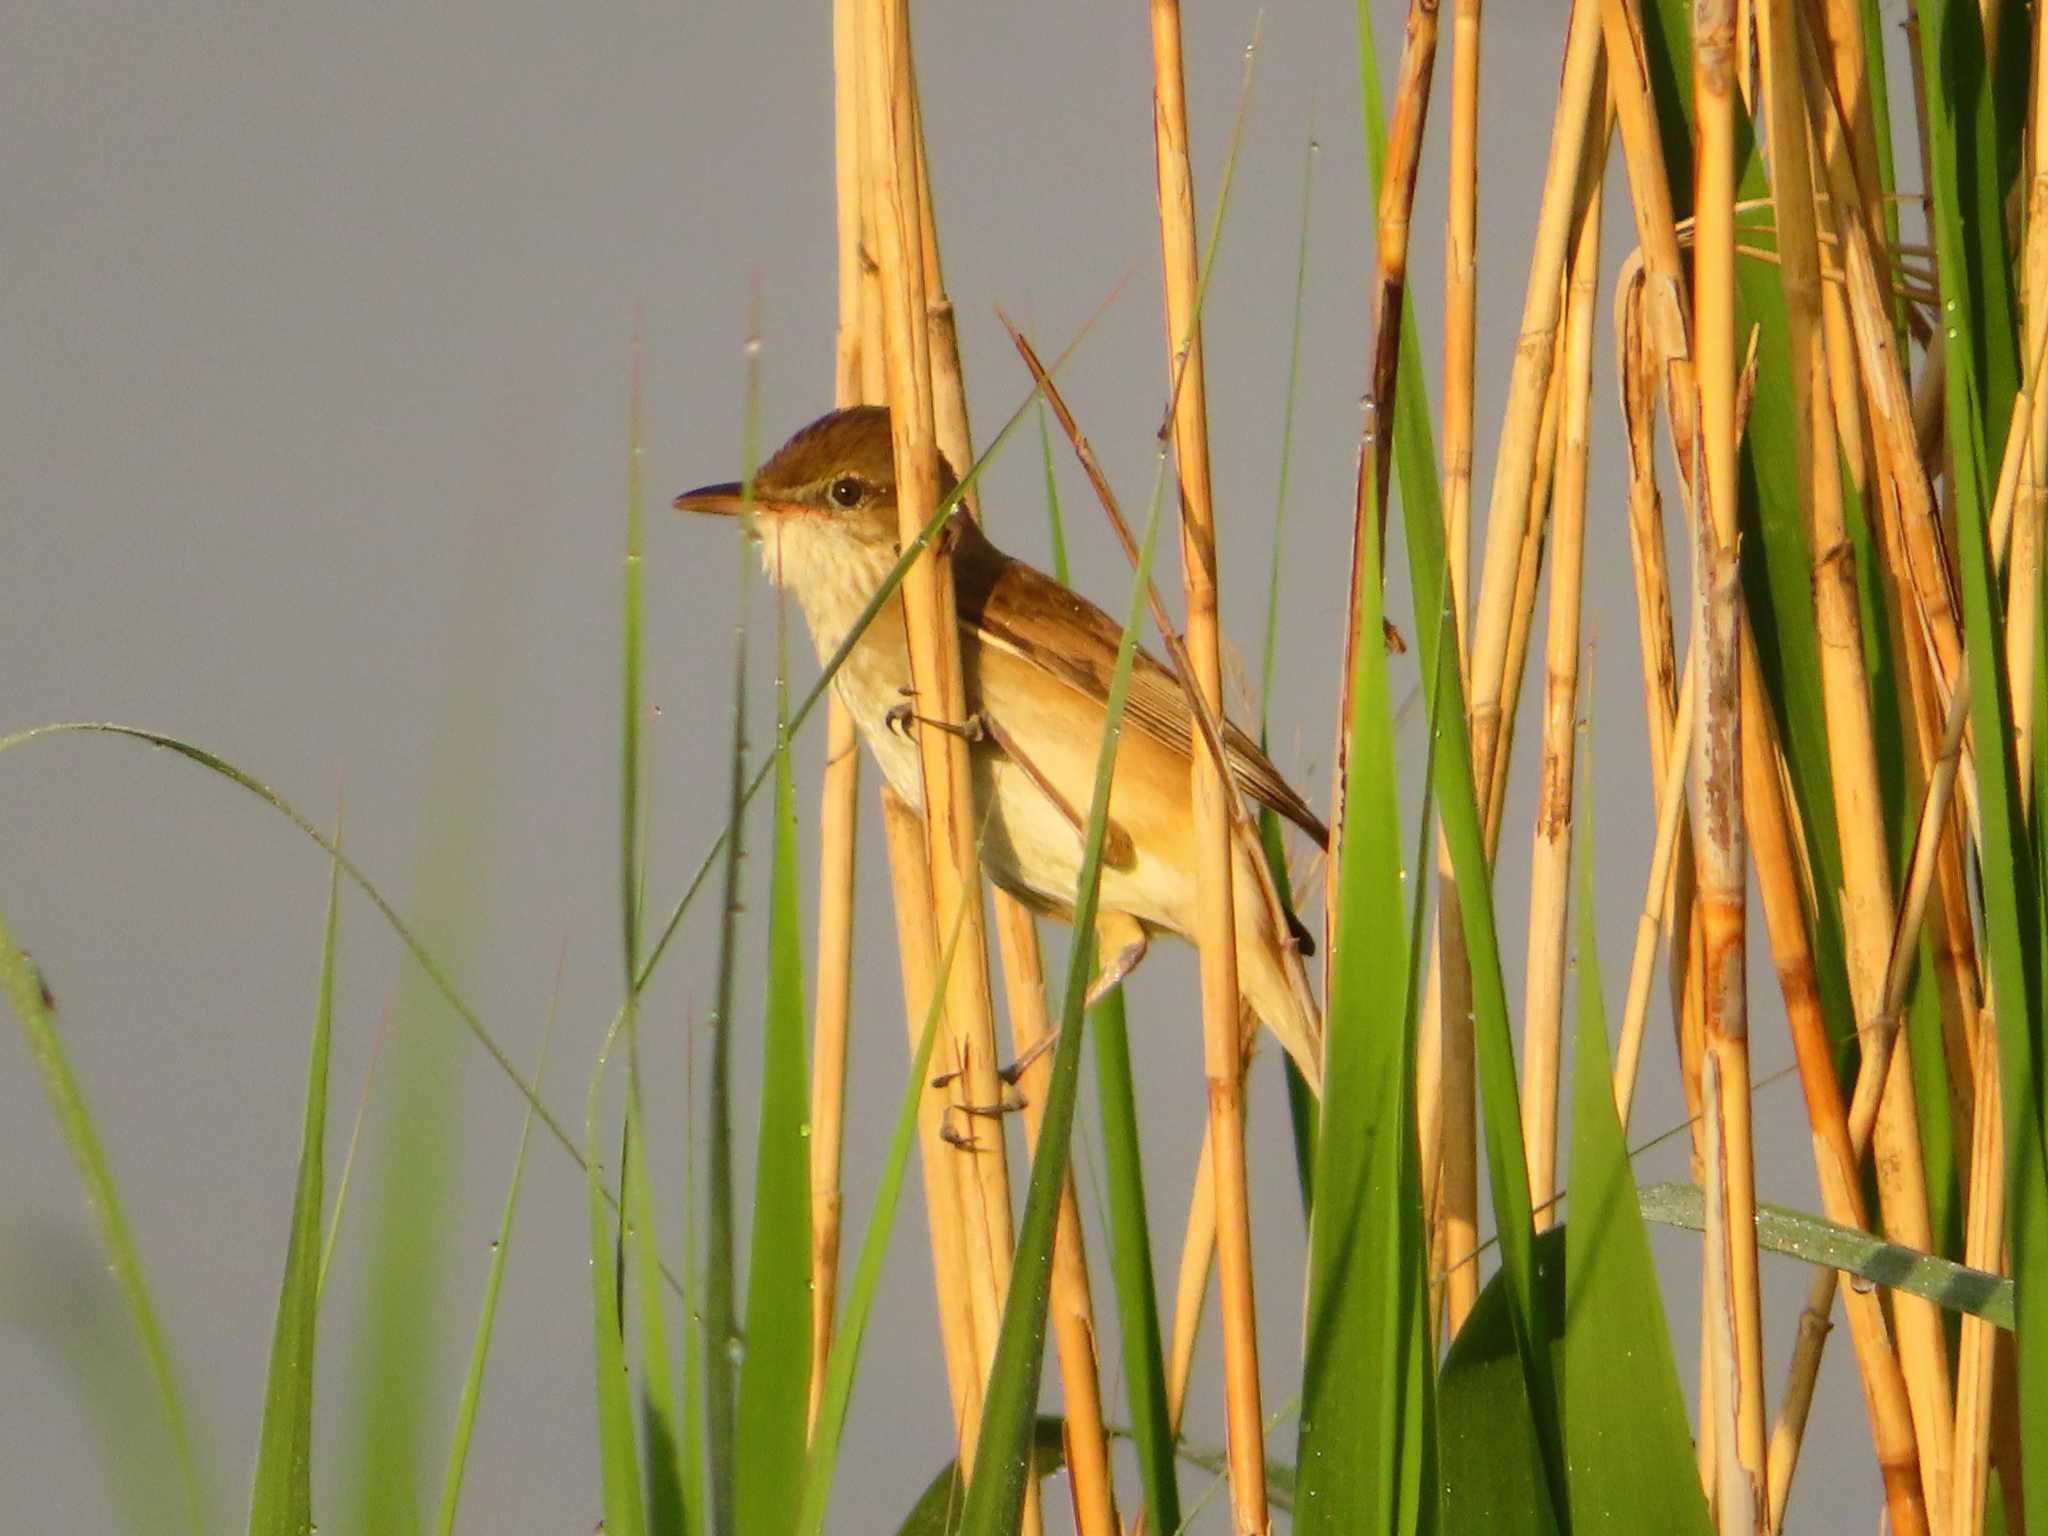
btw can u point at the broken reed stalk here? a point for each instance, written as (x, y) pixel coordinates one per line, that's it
(1222, 1052)
(1550, 860)
(839, 794)
(1732, 1286)
(930, 617)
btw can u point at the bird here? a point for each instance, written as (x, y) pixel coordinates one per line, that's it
(1037, 660)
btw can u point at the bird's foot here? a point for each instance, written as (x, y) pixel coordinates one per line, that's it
(900, 718)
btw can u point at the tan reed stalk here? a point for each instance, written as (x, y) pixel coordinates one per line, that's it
(1222, 1052)
(1070, 1303)
(1550, 860)
(1071, 1306)
(932, 624)
(1670, 818)
(1983, 1236)
(2023, 591)
(903, 834)
(1718, 842)
(1865, 901)
(839, 794)
(1460, 305)
(1461, 291)
(1774, 842)
(1522, 612)
(1639, 359)
(1191, 1284)
(1514, 477)
(1457, 1242)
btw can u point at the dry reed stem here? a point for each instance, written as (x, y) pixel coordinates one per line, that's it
(1222, 1053)
(1461, 237)
(1514, 478)
(933, 628)
(1775, 842)
(1641, 362)
(1191, 1285)
(1718, 839)
(1670, 818)
(1550, 860)
(838, 796)
(1982, 1242)
(903, 834)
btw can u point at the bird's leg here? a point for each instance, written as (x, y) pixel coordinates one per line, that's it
(901, 717)
(1119, 946)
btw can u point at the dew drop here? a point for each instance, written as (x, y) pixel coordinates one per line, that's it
(1862, 1285)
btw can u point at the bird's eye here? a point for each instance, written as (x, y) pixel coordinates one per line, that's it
(847, 491)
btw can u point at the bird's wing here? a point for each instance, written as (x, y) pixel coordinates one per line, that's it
(1033, 617)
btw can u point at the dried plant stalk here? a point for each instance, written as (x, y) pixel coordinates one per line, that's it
(1718, 843)
(1222, 1052)
(1515, 460)
(1461, 237)
(1550, 861)
(839, 795)
(1982, 1243)
(932, 624)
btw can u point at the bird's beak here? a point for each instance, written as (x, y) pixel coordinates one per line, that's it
(724, 499)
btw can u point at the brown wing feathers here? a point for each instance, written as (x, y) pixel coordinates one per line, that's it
(1070, 637)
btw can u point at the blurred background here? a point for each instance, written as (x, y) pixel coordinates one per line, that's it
(321, 328)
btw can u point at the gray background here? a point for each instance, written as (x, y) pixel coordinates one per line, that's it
(313, 444)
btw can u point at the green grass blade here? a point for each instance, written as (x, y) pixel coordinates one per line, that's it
(1862, 1255)
(624, 1514)
(1487, 1437)
(25, 995)
(281, 1495)
(1002, 1461)
(775, 1365)
(659, 1406)
(867, 1272)
(1366, 1445)
(937, 1510)
(348, 1158)
(1627, 1440)
(1130, 1261)
(479, 1350)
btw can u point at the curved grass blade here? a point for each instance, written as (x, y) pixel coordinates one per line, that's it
(1002, 1462)
(1627, 1441)
(31, 1005)
(281, 1494)
(348, 1158)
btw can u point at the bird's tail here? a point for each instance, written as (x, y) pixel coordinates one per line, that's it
(1270, 973)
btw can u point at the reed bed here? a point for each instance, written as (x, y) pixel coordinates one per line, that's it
(1840, 665)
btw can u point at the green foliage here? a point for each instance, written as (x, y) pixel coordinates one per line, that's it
(281, 1497)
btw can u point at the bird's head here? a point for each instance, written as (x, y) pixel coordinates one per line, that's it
(833, 483)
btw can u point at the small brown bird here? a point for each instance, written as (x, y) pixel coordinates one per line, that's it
(1037, 660)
